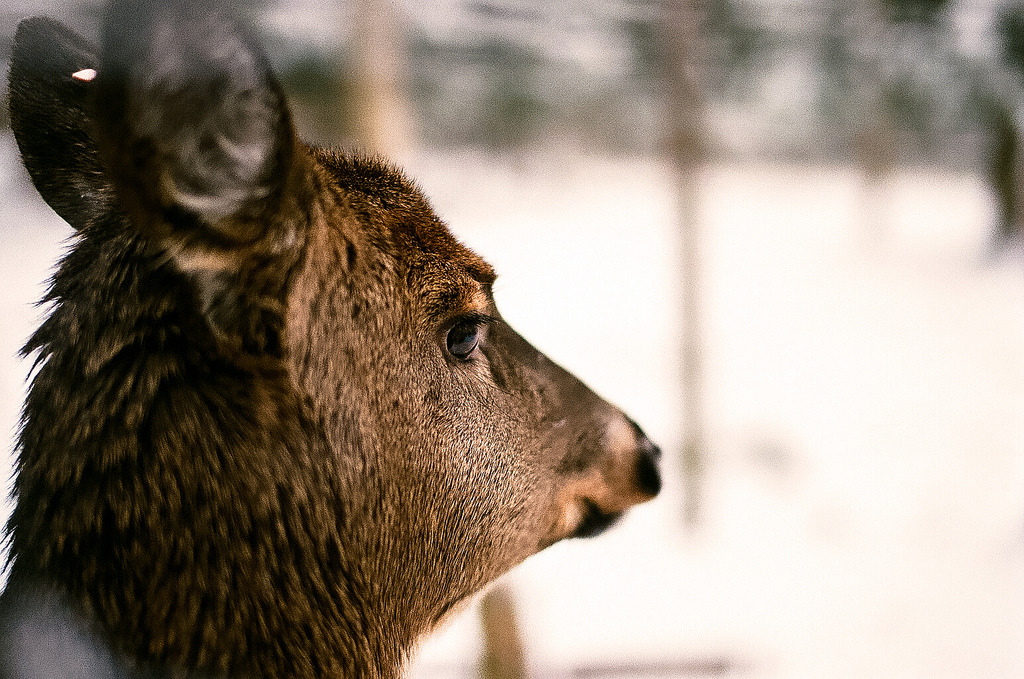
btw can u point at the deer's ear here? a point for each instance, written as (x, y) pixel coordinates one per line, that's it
(51, 76)
(193, 126)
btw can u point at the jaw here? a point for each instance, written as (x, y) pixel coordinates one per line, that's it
(594, 520)
(580, 518)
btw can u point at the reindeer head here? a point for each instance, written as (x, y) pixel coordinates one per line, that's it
(279, 426)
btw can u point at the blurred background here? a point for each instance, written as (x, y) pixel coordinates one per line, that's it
(784, 235)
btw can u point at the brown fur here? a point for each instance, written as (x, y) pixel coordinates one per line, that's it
(248, 450)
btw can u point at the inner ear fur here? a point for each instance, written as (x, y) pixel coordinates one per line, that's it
(193, 126)
(51, 119)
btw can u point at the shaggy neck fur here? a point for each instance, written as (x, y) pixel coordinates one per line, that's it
(146, 450)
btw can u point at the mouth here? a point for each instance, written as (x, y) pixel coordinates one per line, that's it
(594, 521)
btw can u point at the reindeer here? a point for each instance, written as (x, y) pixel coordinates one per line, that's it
(277, 427)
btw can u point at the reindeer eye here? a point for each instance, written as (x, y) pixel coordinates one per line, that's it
(463, 338)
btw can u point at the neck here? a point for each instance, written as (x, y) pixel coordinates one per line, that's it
(184, 504)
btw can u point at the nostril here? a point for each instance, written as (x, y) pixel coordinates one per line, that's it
(648, 477)
(647, 447)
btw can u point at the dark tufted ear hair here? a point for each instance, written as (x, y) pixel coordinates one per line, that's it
(51, 78)
(193, 126)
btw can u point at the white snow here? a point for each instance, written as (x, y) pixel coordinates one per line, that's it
(864, 514)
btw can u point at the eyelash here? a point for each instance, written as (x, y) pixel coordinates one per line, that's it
(465, 335)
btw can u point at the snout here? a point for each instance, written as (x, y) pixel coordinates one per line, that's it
(624, 473)
(630, 469)
(648, 476)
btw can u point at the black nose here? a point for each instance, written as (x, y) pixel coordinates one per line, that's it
(648, 477)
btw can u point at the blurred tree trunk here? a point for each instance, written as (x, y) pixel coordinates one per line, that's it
(688, 146)
(1004, 171)
(380, 106)
(875, 140)
(503, 656)
(1006, 159)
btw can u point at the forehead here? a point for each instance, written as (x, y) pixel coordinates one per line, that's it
(400, 221)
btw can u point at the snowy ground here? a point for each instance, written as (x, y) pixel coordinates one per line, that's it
(865, 508)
